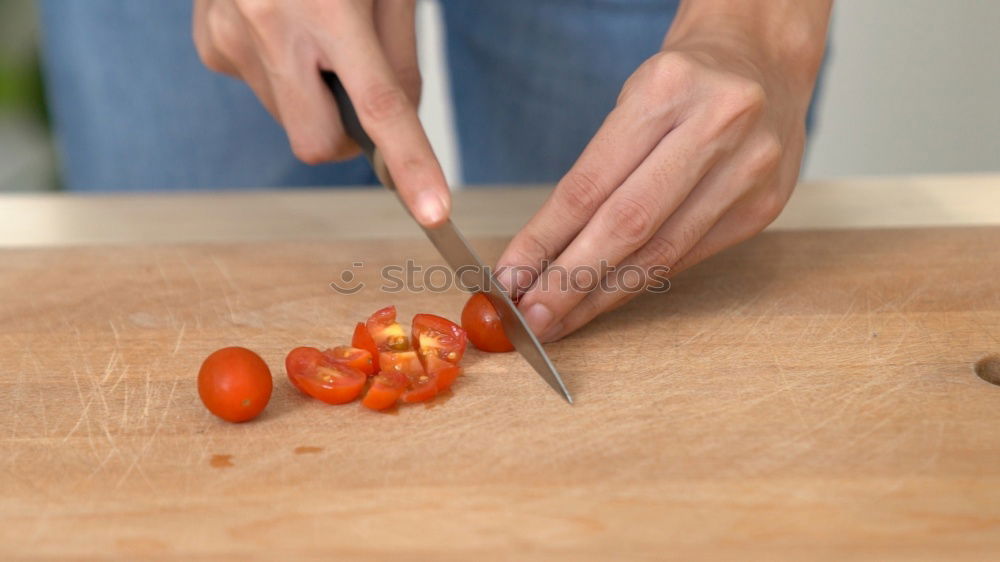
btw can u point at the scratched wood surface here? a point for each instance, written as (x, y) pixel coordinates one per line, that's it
(809, 394)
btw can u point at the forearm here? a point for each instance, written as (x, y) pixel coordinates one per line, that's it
(787, 35)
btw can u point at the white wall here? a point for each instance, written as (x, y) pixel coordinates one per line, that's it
(912, 86)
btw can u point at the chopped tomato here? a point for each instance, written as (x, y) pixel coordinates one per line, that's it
(319, 376)
(438, 337)
(234, 383)
(443, 371)
(363, 340)
(482, 323)
(359, 359)
(385, 390)
(387, 334)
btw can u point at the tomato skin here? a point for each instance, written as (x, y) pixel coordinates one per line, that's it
(482, 324)
(434, 335)
(299, 361)
(353, 357)
(363, 340)
(386, 332)
(318, 375)
(444, 372)
(385, 390)
(235, 384)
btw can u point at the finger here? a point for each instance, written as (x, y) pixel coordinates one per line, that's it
(301, 101)
(628, 135)
(680, 240)
(395, 25)
(201, 32)
(390, 118)
(626, 221)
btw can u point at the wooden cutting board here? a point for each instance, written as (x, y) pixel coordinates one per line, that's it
(808, 394)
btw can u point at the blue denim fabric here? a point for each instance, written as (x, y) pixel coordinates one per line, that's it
(134, 109)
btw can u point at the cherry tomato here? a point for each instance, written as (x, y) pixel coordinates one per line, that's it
(235, 384)
(437, 336)
(319, 376)
(420, 385)
(363, 340)
(385, 390)
(353, 357)
(386, 332)
(443, 371)
(482, 324)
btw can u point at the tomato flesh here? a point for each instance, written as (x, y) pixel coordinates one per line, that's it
(388, 334)
(363, 340)
(353, 357)
(319, 376)
(235, 384)
(443, 371)
(385, 390)
(482, 324)
(439, 337)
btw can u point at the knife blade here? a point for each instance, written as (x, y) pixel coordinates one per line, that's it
(455, 249)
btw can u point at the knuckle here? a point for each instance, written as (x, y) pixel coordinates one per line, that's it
(661, 250)
(766, 207)
(383, 102)
(259, 13)
(314, 151)
(224, 33)
(744, 97)
(579, 194)
(630, 220)
(532, 248)
(766, 157)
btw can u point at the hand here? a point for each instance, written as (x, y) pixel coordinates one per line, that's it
(279, 48)
(700, 153)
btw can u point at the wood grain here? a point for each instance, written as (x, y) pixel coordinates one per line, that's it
(806, 395)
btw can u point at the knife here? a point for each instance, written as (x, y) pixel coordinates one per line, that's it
(456, 251)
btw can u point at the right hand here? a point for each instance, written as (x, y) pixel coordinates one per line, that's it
(279, 48)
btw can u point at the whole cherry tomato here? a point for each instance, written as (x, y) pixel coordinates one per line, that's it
(235, 384)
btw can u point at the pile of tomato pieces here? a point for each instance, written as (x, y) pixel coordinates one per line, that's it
(383, 362)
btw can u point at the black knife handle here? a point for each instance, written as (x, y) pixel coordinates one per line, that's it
(352, 125)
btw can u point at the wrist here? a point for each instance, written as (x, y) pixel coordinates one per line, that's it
(786, 38)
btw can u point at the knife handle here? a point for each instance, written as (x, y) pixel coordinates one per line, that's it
(352, 125)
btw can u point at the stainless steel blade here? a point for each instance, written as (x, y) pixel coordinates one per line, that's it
(474, 276)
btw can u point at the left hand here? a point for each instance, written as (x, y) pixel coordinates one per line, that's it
(701, 152)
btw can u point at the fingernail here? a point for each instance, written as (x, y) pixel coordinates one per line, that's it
(538, 317)
(431, 209)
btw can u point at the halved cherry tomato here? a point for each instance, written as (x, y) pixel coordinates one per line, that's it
(385, 390)
(235, 384)
(363, 340)
(353, 357)
(437, 336)
(386, 332)
(482, 324)
(444, 372)
(319, 376)
(420, 386)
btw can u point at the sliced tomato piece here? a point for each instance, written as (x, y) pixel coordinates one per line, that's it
(319, 376)
(482, 322)
(421, 389)
(363, 340)
(353, 357)
(387, 334)
(420, 385)
(443, 371)
(385, 390)
(437, 336)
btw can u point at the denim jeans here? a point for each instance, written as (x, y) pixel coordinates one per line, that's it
(134, 108)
